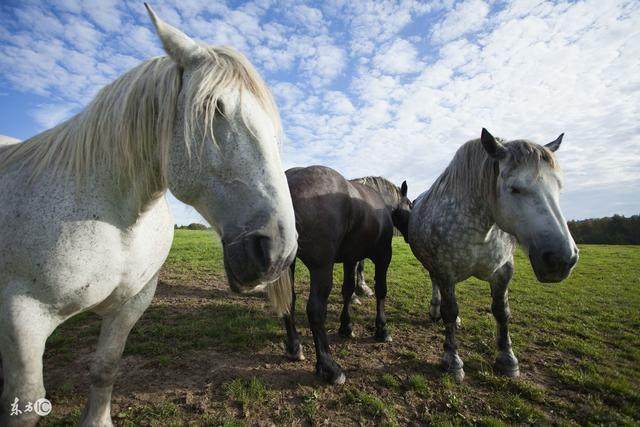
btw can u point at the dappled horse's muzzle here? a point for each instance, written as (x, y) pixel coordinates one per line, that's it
(552, 266)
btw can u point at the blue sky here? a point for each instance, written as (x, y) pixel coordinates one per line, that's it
(387, 88)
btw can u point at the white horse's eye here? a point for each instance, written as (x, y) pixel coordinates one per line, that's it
(514, 190)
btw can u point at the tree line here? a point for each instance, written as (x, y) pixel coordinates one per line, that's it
(614, 230)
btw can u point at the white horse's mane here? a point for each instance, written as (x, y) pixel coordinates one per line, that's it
(472, 172)
(128, 126)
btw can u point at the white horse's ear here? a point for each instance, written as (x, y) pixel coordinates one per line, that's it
(404, 189)
(554, 145)
(180, 47)
(492, 146)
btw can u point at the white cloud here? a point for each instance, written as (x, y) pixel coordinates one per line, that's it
(49, 115)
(467, 17)
(381, 80)
(397, 57)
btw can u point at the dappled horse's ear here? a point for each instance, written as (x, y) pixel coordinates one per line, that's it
(554, 145)
(180, 47)
(492, 146)
(403, 189)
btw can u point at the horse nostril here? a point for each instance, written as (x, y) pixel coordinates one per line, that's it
(573, 260)
(549, 259)
(260, 249)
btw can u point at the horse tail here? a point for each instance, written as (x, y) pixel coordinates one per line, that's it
(280, 293)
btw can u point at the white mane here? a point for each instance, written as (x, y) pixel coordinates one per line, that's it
(129, 124)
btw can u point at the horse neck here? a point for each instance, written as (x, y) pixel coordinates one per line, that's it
(390, 197)
(474, 198)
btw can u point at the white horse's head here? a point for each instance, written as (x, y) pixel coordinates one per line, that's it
(224, 159)
(527, 204)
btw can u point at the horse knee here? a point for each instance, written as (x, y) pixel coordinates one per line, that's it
(315, 311)
(501, 313)
(103, 373)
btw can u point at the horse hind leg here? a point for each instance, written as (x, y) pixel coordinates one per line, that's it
(348, 286)
(382, 266)
(113, 336)
(449, 309)
(506, 362)
(25, 326)
(293, 348)
(434, 308)
(362, 290)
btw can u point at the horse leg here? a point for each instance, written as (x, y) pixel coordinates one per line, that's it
(434, 308)
(25, 325)
(114, 331)
(361, 285)
(449, 309)
(348, 286)
(293, 349)
(321, 283)
(382, 262)
(506, 362)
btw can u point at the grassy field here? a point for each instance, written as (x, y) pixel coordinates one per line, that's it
(203, 356)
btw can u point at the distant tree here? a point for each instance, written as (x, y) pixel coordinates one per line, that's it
(192, 226)
(615, 230)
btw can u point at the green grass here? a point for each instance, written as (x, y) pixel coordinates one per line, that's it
(577, 343)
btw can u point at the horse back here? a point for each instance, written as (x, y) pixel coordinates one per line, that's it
(335, 219)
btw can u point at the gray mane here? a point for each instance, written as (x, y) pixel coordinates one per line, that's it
(388, 190)
(473, 173)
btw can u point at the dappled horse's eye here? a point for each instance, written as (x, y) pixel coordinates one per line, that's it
(514, 190)
(219, 107)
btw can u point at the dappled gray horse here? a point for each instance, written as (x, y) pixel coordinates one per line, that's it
(84, 224)
(491, 195)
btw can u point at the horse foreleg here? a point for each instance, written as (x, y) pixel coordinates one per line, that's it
(293, 349)
(449, 311)
(382, 265)
(113, 337)
(25, 326)
(506, 362)
(321, 284)
(348, 286)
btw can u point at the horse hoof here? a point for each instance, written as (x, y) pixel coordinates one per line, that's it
(434, 319)
(331, 374)
(346, 333)
(458, 323)
(335, 379)
(297, 356)
(355, 300)
(506, 364)
(457, 374)
(363, 290)
(511, 370)
(383, 337)
(508, 371)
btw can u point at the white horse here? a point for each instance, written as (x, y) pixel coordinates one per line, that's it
(84, 224)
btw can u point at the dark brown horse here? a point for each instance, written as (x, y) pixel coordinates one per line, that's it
(341, 221)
